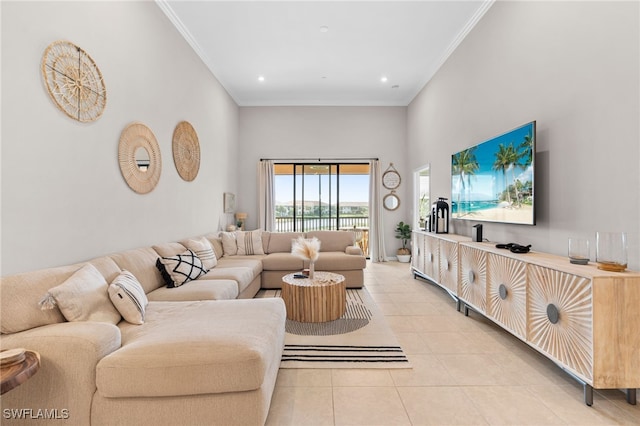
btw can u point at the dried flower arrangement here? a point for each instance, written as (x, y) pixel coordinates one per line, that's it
(308, 249)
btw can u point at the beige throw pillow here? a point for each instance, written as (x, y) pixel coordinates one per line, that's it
(203, 249)
(229, 245)
(83, 297)
(128, 297)
(249, 242)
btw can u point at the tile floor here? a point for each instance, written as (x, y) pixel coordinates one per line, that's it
(466, 371)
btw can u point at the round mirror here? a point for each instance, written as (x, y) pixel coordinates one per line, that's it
(142, 159)
(391, 201)
(139, 158)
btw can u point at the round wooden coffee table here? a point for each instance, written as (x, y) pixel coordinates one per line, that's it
(321, 299)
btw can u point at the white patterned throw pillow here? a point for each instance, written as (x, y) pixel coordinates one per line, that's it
(127, 295)
(249, 242)
(180, 269)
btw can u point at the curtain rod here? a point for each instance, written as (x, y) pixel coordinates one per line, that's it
(320, 159)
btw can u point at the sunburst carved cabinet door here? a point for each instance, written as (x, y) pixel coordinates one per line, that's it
(560, 318)
(448, 254)
(507, 293)
(431, 258)
(472, 284)
(417, 252)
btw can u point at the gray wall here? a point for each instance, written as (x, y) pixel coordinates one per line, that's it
(574, 68)
(63, 197)
(324, 132)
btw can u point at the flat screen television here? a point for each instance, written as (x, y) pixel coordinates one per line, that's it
(493, 181)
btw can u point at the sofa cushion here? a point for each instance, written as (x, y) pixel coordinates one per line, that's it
(252, 262)
(242, 275)
(83, 297)
(200, 289)
(216, 243)
(127, 295)
(249, 242)
(280, 242)
(141, 263)
(203, 249)
(107, 267)
(282, 262)
(169, 249)
(339, 261)
(19, 309)
(173, 353)
(266, 237)
(180, 269)
(334, 240)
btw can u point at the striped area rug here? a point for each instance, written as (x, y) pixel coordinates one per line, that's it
(361, 338)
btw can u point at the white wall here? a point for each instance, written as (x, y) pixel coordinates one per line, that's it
(324, 132)
(63, 197)
(573, 67)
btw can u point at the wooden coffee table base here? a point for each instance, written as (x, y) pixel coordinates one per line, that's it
(321, 299)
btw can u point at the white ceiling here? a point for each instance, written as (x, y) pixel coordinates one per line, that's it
(406, 41)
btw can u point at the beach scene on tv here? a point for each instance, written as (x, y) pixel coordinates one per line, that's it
(493, 181)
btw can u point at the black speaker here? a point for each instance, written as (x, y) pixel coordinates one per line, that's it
(476, 233)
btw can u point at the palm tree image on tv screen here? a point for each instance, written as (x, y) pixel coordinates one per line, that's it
(494, 180)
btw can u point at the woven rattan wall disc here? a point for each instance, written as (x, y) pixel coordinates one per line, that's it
(74, 81)
(186, 151)
(139, 158)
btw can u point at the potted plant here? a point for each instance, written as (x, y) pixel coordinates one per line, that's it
(403, 232)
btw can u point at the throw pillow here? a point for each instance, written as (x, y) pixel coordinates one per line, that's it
(215, 240)
(229, 245)
(82, 297)
(180, 269)
(249, 242)
(128, 297)
(203, 249)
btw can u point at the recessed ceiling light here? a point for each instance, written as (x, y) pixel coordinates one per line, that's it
(383, 79)
(261, 78)
(324, 29)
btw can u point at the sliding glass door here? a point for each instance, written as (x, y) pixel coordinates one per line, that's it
(321, 196)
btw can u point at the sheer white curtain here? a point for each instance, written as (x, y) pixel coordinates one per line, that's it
(266, 194)
(376, 227)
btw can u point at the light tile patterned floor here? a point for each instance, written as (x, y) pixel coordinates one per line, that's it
(466, 371)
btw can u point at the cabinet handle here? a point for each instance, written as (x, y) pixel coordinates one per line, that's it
(448, 265)
(430, 257)
(472, 276)
(552, 313)
(502, 290)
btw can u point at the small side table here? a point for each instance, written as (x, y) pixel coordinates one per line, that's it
(14, 375)
(321, 299)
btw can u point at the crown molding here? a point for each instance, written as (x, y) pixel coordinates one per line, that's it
(471, 23)
(182, 29)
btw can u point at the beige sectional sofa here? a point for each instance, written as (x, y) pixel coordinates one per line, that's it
(338, 253)
(200, 357)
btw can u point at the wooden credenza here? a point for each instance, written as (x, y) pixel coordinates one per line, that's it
(435, 257)
(582, 318)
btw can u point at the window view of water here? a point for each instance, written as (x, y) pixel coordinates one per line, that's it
(321, 196)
